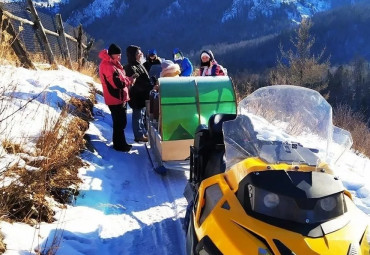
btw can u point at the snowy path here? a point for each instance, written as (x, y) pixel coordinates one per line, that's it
(132, 210)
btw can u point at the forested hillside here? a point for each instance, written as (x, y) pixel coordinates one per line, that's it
(243, 34)
(343, 32)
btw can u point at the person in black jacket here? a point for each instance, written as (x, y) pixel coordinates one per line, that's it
(152, 59)
(139, 92)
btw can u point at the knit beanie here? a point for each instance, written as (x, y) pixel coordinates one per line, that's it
(152, 52)
(209, 53)
(166, 63)
(169, 69)
(114, 49)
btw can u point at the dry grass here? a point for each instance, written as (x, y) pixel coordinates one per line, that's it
(54, 172)
(2, 245)
(11, 148)
(356, 124)
(7, 55)
(83, 108)
(88, 68)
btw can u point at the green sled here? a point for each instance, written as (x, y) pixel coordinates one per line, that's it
(187, 102)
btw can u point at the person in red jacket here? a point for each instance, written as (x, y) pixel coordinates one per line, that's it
(115, 90)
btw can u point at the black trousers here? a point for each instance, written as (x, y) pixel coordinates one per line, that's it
(119, 119)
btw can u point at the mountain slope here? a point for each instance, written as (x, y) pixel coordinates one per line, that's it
(244, 34)
(188, 24)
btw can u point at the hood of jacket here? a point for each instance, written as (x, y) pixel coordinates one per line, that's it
(210, 53)
(177, 51)
(131, 54)
(104, 56)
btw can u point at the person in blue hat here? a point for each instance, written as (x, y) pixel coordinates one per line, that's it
(184, 63)
(152, 59)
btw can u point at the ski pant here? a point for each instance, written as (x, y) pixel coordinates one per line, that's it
(119, 119)
(138, 122)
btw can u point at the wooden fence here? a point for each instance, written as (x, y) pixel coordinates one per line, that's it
(43, 35)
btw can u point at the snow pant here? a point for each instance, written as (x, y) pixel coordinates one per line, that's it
(138, 122)
(119, 119)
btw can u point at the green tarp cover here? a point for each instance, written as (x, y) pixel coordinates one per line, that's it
(187, 102)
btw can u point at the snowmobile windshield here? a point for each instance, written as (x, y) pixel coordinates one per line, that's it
(284, 124)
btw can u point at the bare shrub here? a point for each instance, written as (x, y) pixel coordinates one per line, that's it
(242, 88)
(355, 123)
(245, 83)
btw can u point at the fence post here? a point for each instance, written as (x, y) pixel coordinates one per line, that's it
(79, 46)
(86, 50)
(16, 45)
(40, 30)
(64, 45)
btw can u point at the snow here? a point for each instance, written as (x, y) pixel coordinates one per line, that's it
(97, 9)
(124, 207)
(304, 8)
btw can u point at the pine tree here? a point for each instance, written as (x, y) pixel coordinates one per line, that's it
(299, 66)
(360, 73)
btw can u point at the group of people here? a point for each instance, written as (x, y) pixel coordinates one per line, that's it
(131, 84)
(181, 65)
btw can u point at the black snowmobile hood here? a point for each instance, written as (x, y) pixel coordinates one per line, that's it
(131, 54)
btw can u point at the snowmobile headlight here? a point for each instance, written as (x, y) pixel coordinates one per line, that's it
(328, 204)
(301, 210)
(271, 200)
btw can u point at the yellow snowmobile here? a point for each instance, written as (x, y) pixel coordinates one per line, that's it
(262, 182)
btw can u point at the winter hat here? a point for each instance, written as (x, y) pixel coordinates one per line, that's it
(152, 52)
(205, 54)
(114, 49)
(169, 69)
(166, 63)
(209, 53)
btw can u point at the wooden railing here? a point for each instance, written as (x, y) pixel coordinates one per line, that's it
(41, 33)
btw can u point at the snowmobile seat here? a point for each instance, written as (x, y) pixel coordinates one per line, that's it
(198, 152)
(216, 163)
(209, 149)
(215, 126)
